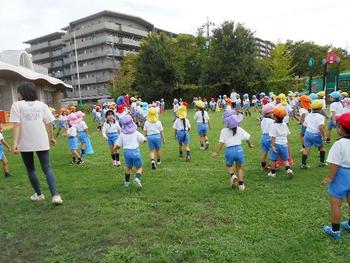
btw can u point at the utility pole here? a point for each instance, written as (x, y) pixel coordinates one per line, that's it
(207, 25)
(77, 66)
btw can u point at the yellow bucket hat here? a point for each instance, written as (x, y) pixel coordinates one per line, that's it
(182, 112)
(344, 94)
(321, 94)
(317, 104)
(200, 104)
(283, 98)
(152, 115)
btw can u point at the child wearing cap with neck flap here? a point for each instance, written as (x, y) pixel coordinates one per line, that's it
(336, 109)
(305, 103)
(203, 123)
(182, 128)
(110, 132)
(339, 177)
(153, 130)
(232, 137)
(130, 139)
(72, 133)
(266, 122)
(279, 132)
(314, 133)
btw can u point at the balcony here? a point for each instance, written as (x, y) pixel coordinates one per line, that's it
(57, 64)
(41, 56)
(58, 74)
(134, 31)
(38, 46)
(56, 53)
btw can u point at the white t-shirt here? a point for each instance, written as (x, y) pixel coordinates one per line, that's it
(1, 137)
(153, 128)
(81, 126)
(130, 141)
(72, 131)
(339, 153)
(303, 111)
(280, 131)
(178, 124)
(98, 115)
(110, 128)
(336, 107)
(175, 107)
(229, 140)
(62, 118)
(345, 110)
(198, 117)
(266, 124)
(313, 121)
(32, 117)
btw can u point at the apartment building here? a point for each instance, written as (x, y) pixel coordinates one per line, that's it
(265, 47)
(100, 42)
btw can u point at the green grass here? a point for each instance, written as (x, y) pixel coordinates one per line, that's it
(186, 212)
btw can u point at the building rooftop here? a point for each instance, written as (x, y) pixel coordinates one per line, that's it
(48, 37)
(148, 25)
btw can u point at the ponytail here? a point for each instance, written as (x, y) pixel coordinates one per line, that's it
(203, 120)
(184, 123)
(234, 131)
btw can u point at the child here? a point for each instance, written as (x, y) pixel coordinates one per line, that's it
(175, 107)
(266, 123)
(232, 137)
(73, 139)
(62, 121)
(153, 129)
(304, 110)
(98, 118)
(246, 105)
(346, 104)
(314, 133)
(182, 127)
(130, 139)
(279, 132)
(3, 158)
(110, 132)
(83, 132)
(203, 123)
(339, 177)
(336, 109)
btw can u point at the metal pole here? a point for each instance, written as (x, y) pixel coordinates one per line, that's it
(77, 66)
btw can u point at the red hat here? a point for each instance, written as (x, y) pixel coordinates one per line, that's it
(344, 120)
(120, 108)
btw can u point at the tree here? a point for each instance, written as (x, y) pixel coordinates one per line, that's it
(281, 63)
(156, 70)
(124, 80)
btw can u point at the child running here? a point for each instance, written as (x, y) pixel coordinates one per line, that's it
(3, 158)
(339, 177)
(279, 132)
(314, 133)
(266, 123)
(83, 132)
(203, 123)
(73, 139)
(130, 139)
(336, 109)
(154, 131)
(110, 132)
(182, 128)
(304, 110)
(232, 137)
(62, 121)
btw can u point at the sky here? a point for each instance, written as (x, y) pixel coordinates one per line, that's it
(321, 21)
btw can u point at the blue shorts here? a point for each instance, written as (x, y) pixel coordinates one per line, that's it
(281, 151)
(340, 186)
(62, 124)
(312, 139)
(202, 129)
(73, 143)
(82, 135)
(265, 142)
(154, 141)
(133, 158)
(332, 125)
(183, 137)
(2, 154)
(302, 130)
(234, 154)
(112, 138)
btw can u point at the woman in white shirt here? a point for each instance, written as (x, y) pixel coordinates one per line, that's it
(29, 117)
(203, 123)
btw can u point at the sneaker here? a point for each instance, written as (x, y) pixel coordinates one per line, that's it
(270, 174)
(114, 162)
(80, 162)
(72, 162)
(345, 225)
(328, 230)
(118, 164)
(290, 173)
(180, 155)
(137, 183)
(188, 158)
(233, 181)
(159, 163)
(206, 146)
(153, 163)
(327, 141)
(202, 147)
(57, 200)
(304, 166)
(7, 174)
(323, 164)
(126, 184)
(36, 197)
(241, 187)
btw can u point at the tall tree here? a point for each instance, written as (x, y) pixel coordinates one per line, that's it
(281, 63)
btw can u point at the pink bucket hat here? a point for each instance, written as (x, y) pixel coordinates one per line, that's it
(128, 125)
(80, 114)
(73, 119)
(267, 108)
(346, 103)
(231, 119)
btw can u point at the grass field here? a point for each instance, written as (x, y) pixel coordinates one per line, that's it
(186, 212)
